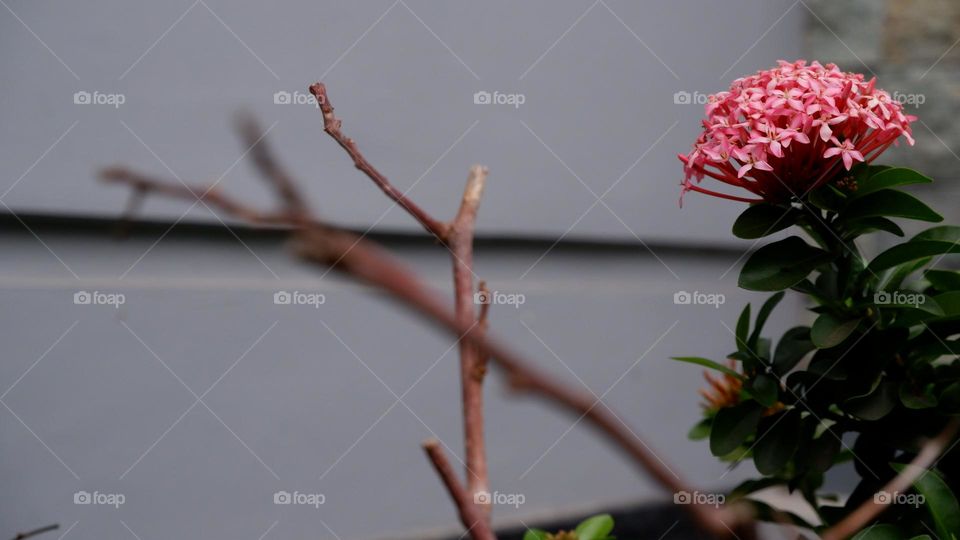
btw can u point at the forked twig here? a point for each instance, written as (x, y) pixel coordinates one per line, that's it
(360, 259)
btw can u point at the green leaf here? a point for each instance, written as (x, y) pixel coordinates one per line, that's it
(743, 328)
(942, 233)
(701, 430)
(891, 203)
(866, 225)
(791, 348)
(874, 405)
(763, 219)
(913, 397)
(829, 331)
(940, 501)
(595, 528)
(888, 178)
(879, 532)
(536, 534)
(944, 280)
(922, 537)
(776, 445)
(707, 363)
(765, 389)
(910, 251)
(732, 426)
(762, 317)
(781, 265)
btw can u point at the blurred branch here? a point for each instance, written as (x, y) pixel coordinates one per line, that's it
(870, 509)
(36, 532)
(362, 260)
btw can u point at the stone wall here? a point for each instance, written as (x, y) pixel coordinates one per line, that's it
(913, 47)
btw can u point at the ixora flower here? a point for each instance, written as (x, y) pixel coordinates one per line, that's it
(785, 131)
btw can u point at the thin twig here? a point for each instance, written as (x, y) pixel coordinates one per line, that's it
(331, 124)
(470, 514)
(460, 242)
(283, 184)
(870, 509)
(36, 532)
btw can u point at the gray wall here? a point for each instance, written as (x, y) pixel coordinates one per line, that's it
(99, 399)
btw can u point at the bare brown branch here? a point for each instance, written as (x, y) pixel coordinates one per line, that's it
(331, 124)
(36, 532)
(254, 138)
(460, 242)
(470, 514)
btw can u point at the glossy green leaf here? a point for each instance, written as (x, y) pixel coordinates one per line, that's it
(732, 426)
(762, 317)
(940, 501)
(911, 251)
(941, 233)
(763, 219)
(595, 528)
(888, 178)
(875, 405)
(536, 534)
(829, 331)
(765, 389)
(707, 363)
(781, 265)
(701, 430)
(871, 224)
(743, 328)
(776, 445)
(889, 203)
(791, 348)
(944, 280)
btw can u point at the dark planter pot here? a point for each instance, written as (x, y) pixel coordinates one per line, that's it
(647, 522)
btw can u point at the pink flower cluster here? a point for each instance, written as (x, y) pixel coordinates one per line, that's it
(784, 131)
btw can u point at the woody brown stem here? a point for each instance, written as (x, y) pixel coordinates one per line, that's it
(470, 514)
(460, 242)
(331, 124)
